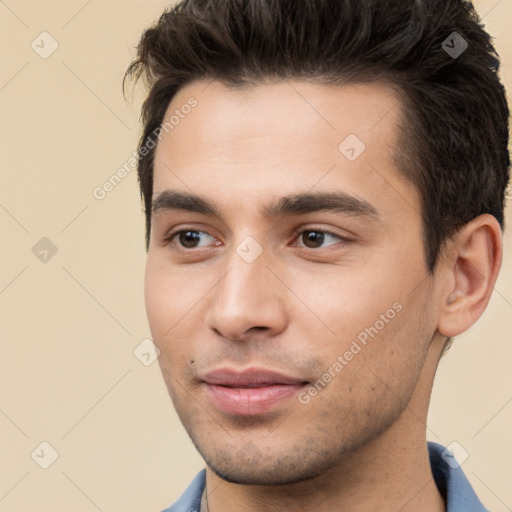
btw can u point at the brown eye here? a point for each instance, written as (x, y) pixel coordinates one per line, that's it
(314, 238)
(188, 238)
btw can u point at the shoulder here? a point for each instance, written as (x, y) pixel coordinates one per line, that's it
(452, 482)
(190, 500)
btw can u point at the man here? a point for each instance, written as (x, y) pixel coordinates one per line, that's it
(324, 185)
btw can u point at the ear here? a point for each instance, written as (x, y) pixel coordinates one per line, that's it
(471, 266)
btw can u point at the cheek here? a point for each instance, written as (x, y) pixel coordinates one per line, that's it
(155, 298)
(375, 325)
(370, 383)
(166, 308)
(167, 302)
(350, 302)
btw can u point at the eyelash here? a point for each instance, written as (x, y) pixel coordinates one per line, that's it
(170, 238)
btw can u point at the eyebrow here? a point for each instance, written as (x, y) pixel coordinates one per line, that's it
(296, 204)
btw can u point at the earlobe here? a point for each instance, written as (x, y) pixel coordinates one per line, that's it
(472, 270)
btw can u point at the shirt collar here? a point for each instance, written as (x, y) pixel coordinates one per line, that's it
(452, 482)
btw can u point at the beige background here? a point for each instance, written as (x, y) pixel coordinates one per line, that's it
(68, 375)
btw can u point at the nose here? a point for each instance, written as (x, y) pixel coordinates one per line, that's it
(247, 300)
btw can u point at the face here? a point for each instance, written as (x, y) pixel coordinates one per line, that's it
(290, 299)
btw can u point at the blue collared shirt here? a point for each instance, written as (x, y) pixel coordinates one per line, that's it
(449, 477)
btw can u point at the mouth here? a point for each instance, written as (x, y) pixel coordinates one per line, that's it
(253, 386)
(250, 392)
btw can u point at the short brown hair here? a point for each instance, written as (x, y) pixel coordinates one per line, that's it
(454, 140)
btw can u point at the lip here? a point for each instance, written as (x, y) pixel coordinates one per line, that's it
(251, 391)
(249, 378)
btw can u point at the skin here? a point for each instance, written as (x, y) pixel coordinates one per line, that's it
(297, 307)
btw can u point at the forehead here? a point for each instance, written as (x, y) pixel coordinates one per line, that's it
(286, 136)
(287, 111)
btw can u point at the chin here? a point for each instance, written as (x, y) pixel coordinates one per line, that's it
(262, 475)
(253, 468)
